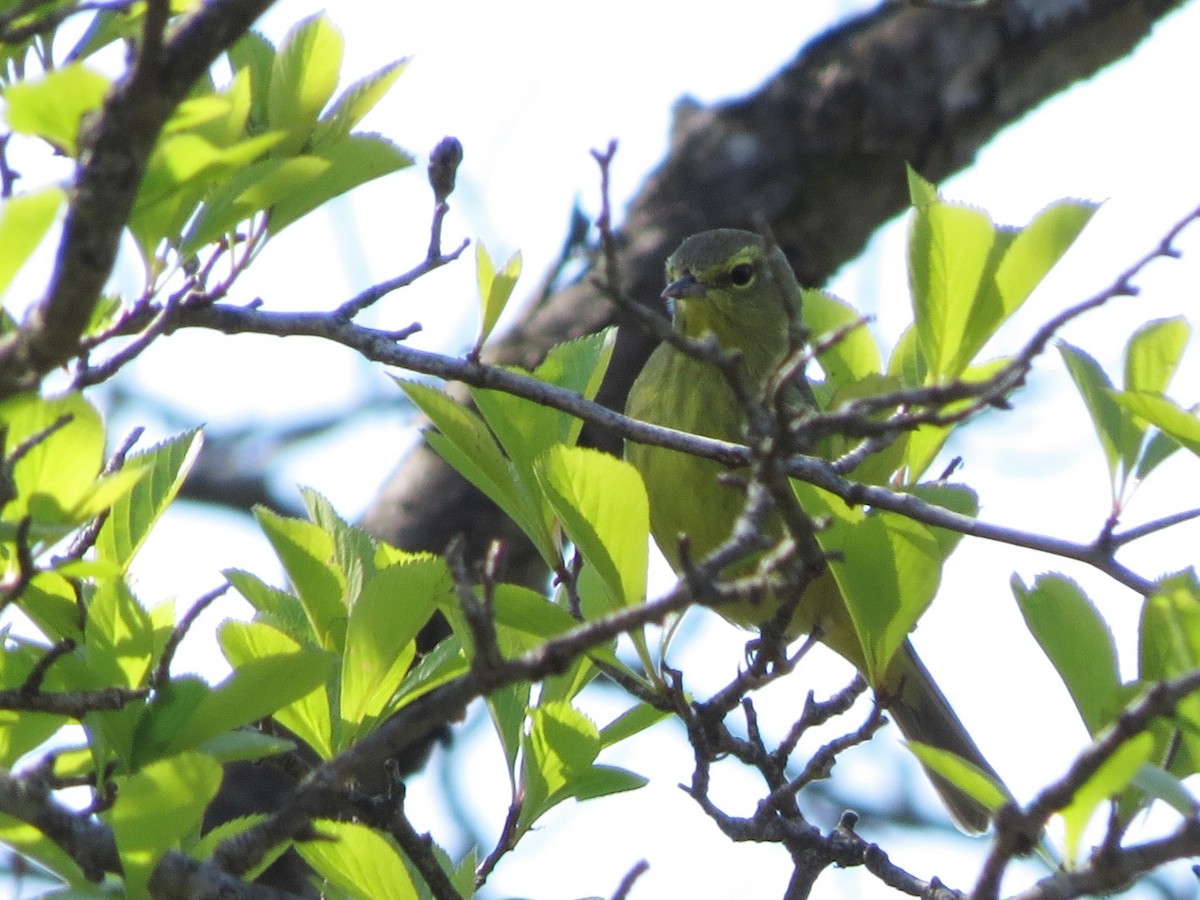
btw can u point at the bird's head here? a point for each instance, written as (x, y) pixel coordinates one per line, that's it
(733, 284)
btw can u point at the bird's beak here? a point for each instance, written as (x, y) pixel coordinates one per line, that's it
(683, 288)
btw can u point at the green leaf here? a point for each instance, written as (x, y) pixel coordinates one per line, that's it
(1162, 785)
(306, 551)
(21, 732)
(603, 781)
(972, 781)
(359, 861)
(853, 358)
(51, 603)
(525, 428)
(957, 498)
(495, 287)
(603, 507)
(303, 78)
(24, 221)
(257, 688)
(1180, 424)
(562, 744)
(1168, 647)
(1153, 353)
(1032, 253)
(308, 717)
(54, 107)
(465, 442)
(949, 253)
(906, 361)
(340, 167)
(170, 709)
(381, 636)
(155, 808)
(275, 607)
(1109, 780)
(119, 635)
(888, 572)
(1119, 434)
(255, 54)
(1077, 641)
(633, 721)
(32, 843)
(356, 101)
(58, 481)
(131, 517)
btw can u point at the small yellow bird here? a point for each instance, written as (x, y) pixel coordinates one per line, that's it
(732, 284)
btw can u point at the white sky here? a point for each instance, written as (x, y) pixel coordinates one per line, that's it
(530, 88)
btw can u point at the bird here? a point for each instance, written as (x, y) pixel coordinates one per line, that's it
(735, 286)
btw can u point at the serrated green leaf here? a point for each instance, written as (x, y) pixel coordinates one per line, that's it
(562, 744)
(276, 607)
(1153, 353)
(356, 101)
(1180, 424)
(359, 861)
(1120, 437)
(131, 518)
(155, 808)
(1032, 253)
(307, 551)
(602, 504)
(255, 54)
(1169, 646)
(303, 78)
(257, 688)
(354, 550)
(853, 358)
(1077, 641)
(118, 636)
(495, 287)
(33, 843)
(53, 107)
(343, 165)
(24, 221)
(308, 717)
(464, 441)
(394, 605)
(950, 248)
(57, 476)
(888, 572)
(1113, 776)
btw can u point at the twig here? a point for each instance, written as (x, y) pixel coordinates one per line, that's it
(1017, 830)
(504, 843)
(162, 672)
(1140, 531)
(626, 885)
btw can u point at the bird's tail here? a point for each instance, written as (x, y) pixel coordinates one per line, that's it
(923, 713)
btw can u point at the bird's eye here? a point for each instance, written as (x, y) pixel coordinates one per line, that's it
(741, 274)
